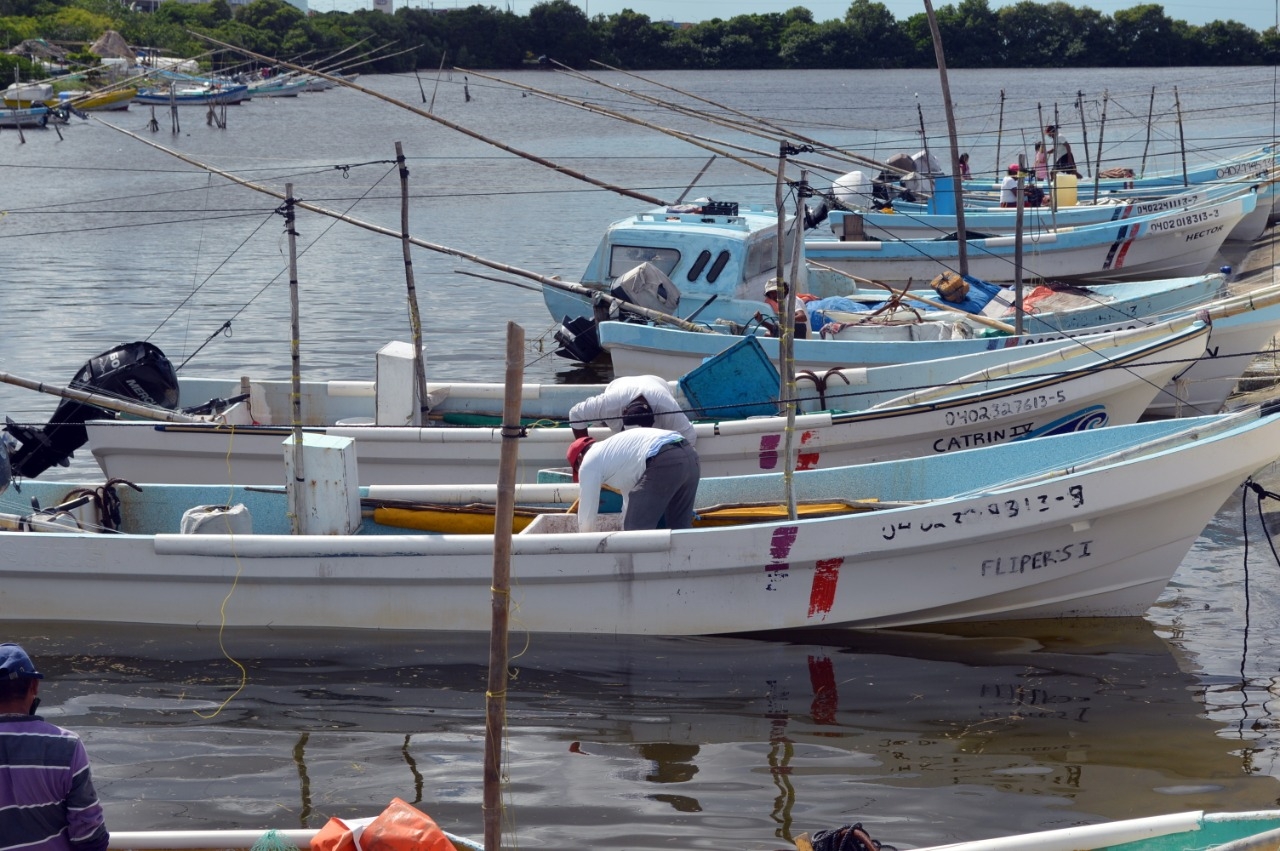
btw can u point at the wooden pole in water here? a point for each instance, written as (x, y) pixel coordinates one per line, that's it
(1000, 132)
(786, 323)
(1102, 131)
(1151, 105)
(1017, 248)
(496, 696)
(295, 363)
(1084, 129)
(415, 319)
(788, 345)
(962, 236)
(1182, 139)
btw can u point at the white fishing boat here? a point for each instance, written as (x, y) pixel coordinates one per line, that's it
(1187, 831)
(1091, 523)
(1241, 325)
(32, 116)
(845, 417)
(1169, 244)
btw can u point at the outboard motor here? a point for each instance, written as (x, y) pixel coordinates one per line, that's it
(579, 339)
(5, 474)
(135, 372)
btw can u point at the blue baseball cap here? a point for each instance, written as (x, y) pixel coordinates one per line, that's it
(15, 664)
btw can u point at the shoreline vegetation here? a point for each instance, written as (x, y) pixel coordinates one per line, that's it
(1024, 35)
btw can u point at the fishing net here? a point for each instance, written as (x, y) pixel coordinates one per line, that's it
(273, 841)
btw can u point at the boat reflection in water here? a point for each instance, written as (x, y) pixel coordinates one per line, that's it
(625, 743)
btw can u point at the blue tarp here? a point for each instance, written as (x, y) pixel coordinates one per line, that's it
(979, 296)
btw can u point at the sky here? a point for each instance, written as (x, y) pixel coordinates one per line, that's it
(1256, 14)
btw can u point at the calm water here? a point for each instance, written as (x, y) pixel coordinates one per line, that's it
(613, 743)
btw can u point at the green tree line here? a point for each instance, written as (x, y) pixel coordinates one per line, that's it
(1023, 35)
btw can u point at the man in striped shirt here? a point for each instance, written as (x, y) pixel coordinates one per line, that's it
(47, 801)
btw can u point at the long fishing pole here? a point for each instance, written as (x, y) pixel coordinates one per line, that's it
(740, 126)
(342, 81)
(827, 149)
(554, 283)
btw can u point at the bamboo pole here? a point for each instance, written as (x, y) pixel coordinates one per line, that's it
(1000, 132)
(1102, 130)
(96, 399)
(295, 366)
(1151, 105)
(1182, 139)
(342, 81)
(1084, 129)
(962, 235)
(787, 355)
(496, 696)
(555, 283)
(415, 319)
(747, 118)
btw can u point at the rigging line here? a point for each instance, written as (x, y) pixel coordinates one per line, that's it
(332, 223)
(195, 270)
(131, 226)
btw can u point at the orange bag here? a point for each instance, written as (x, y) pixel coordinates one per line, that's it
(402, 827)
(334, 836)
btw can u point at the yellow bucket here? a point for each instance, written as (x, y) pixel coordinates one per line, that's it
(1065, 189)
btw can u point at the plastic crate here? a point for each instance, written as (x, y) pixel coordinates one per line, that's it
(739, 382)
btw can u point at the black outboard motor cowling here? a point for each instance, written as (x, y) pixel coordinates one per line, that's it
(134, 372)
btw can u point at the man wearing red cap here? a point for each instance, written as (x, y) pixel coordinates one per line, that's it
(656, 470)
(47, 800)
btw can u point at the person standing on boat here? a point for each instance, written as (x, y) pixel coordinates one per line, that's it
(1059, 151)
(656, 471)
(630, 401)
(965, 174)
(1041, 162)
(47, 800)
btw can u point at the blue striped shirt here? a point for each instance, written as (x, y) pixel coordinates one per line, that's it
(47, 800)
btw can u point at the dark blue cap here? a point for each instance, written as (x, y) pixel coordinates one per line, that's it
(15, 663)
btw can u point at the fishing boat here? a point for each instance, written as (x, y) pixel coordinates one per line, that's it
(232, 840)
(845, 417)
(1241, 325)
(1188, 831)
(1168, 244)
(103, 100)
(203, 95)
(33, 116)
(1091, 523)
(915, 222)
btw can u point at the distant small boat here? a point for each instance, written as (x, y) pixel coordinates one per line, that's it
(99, 101)
(34, 116)
(193, 96)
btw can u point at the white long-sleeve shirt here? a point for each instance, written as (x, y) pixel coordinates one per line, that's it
(607, 407)
(618, 461)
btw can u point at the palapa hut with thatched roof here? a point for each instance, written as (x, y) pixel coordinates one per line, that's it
(111, 45)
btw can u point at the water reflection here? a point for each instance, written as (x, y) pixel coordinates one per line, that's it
(616, 742)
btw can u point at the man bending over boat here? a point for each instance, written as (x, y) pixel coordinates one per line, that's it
(630, 401)
(47, 800)
(656, 470)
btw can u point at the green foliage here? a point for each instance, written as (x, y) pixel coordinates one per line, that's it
(1026, 33)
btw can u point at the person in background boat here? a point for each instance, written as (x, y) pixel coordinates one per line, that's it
(47, 800)
(1059, 151)
(774, 293)
(656, 471)
(965, 174)
(1009, 187)
(1041, 162)
(632, 401)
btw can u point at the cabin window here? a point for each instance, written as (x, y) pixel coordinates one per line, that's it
(722, 260)
(698, 265)
(624, 258)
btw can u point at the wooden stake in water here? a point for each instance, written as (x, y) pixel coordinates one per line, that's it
(415, 319)
(496, 697)
(962, 240)
(295, 363)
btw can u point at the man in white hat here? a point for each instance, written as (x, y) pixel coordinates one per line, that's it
(47, 800)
